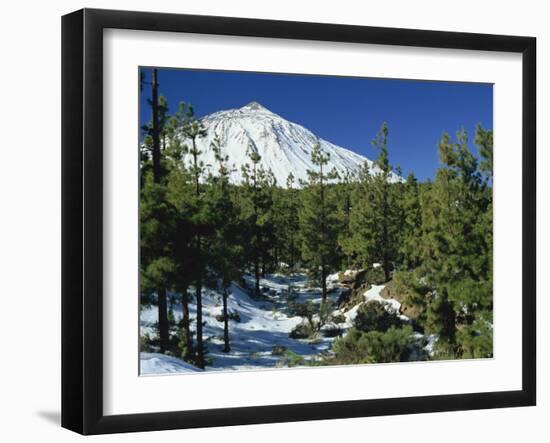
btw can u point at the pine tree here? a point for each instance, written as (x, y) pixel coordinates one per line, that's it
(152, 144)
(345, 191)
(290, 222)
(269, 243)
(359, 244)
(284, 216)
(157, 175)
(318, 220)
(181, 193)
(225, 248)
(484, 143)
(155, 130)
(157, 266)
(384, 216)
(411, 233)
(375, 217)
(458, 254)
(192, 129)
(477, 338)
(278, 215)
(256, 202)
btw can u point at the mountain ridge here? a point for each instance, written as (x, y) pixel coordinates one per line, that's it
(284, 146)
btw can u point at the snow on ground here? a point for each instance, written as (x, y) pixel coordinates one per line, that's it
(373, 294)
(333, 278)
(263, 325)
(390, 304)
(152, 363)
(431, 341)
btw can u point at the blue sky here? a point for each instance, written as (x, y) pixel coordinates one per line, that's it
(347, 111)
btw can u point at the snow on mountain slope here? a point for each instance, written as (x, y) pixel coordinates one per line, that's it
(283, 146)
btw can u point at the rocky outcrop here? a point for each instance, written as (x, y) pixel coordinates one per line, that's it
(356, 283)
(403, 294)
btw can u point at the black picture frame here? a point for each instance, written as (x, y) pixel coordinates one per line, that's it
(82, 218)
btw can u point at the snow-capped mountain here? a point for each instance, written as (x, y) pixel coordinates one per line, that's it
(284, 146)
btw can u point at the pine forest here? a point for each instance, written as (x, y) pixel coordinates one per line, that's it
(246, 265)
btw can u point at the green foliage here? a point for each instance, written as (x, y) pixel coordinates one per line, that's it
(433, 241)
(231, 315)
(376, 275)
(384, 217)
(407, 288)
(286, 244)
(291, 359)
(306, 310)
(315, 317)
(344, 193)
(157, 228)
(476, 339)
(457, 256)
(325, 312)
(338, 319)
(256, 215)
(319, 221)
(484, 142)
(171, 317)
(360, 243)
(372, 316)
(186, 352)
(441, 318)
(359, 347)
(303, 330)
(278, 350)
(411, 235)
(225, 242)
(375, 220)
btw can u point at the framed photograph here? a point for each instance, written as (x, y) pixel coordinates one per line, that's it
(269, 221)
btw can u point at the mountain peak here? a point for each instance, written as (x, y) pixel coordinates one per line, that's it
(250, 110)
(255, 106)
(283, 146)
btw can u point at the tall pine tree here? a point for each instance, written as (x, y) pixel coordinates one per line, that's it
(255, 207)
(374, 219)
(225, 246)
(156, 264)
(181, 193)
(192, 129)
(318, 220)
(384, 216)
(458, 254)
(411, 234)
(359, 244)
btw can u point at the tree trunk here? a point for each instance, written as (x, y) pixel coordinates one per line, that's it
(200, 347)
(257, 276)
(385, 234)
(163, 321)
(323, 227)
(188, 341)
(292, 261)
(198, 284)
(226, 347)
(387, 270)
(162, 305)
(323, 283)
(155, 133)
